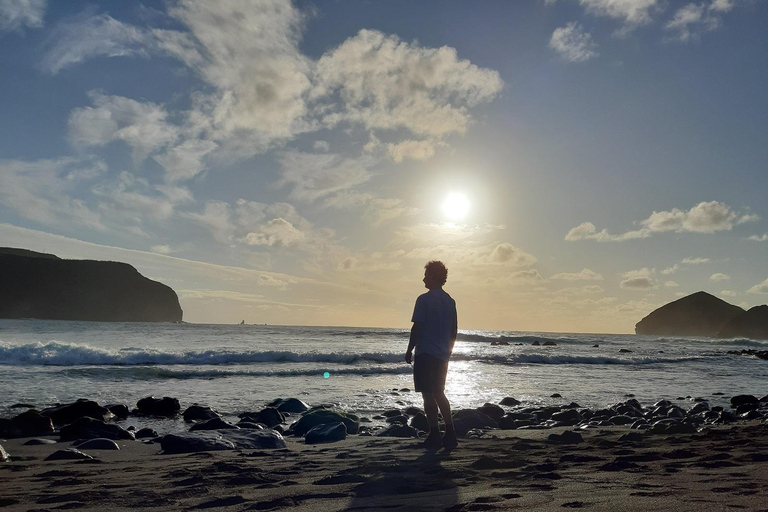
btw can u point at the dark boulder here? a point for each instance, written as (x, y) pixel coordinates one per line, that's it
(214, 424)
(391, 413)
(89, 428)
(172, 443)
(465, 420)
(120, 411)
(269, 416)
(69, 454)
(420, 422)
(199, 413)
(165, 407)
(326, 433)
(291, 405)
(36, 285)
(145, 433)
(320, 416)
(740, 400)
(568, 417)
(492, 411)
(401, 419)
(509, 401)
(751, 324)
(254, 439)
(699, 314)
(27, 424)
(67, 413)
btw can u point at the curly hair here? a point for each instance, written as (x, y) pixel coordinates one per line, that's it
(437, 270)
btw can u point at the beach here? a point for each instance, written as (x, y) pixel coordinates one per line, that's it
(724, 467)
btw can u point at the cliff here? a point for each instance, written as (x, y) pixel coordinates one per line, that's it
(752, 324)
(36, 285)
(698, 314)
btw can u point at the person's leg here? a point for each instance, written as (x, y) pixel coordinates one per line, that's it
(449, 440)
(433, 440)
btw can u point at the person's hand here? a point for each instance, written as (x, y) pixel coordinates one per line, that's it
(408, 357)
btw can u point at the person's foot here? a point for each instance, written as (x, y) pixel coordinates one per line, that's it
(433, 441)
(449, 440)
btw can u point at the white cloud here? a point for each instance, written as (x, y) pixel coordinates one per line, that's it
(185, 161)
(88, 36)
(41, 191)
(671, 284)
(705, 217)
(15, 14)
(719, 277)
(135, 199)
(759, 238)
(161, 249)
(694, 261)
(377, 210)
(276, 232)
(412, 150)
(573, 44)
(584, 275)
(759, 288)
(728, 293)
(506, 254)
(631, 12)
(385, 83)
(671, 270)
(321, 146)
(692, 20)
(313, 176)
(641, 279)
(217, 218)
(143, 126)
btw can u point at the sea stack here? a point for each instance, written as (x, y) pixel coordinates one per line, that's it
(43, 286)
(698, 314)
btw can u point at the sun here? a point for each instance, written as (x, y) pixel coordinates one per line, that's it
(456, 206)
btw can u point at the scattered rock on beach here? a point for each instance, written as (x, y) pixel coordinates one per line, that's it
(739, 400)
(166, 406)
(68, 413)
(120, 411)
(292, 405)
(465, 420)
(269, 416)
(27, 424)
(420, 422)
(509, 401)
(326, 433)
(491, 410)
(254, 439)
(209, 442)
(89, 428)
(38, 442)
(145, 433)
(69, 454)
(97, 444)
(199, 413)
(214, 424)
(397, 430)
(320, 416)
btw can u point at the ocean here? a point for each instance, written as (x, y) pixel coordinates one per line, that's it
(237, 368)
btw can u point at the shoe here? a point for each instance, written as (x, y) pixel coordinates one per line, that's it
(449, 440)
(433, 441)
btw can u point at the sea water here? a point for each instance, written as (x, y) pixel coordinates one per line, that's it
(237, 368)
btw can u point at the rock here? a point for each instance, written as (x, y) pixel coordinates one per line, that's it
(567, 437)
(398, 430)
(27, 424)
(391, 413)
(145, 433)
(69, 454)
(39, 442)
(568, 417)
(555, 395)
(739, 400)
(699, 314)
(413, 411)
(620, 420)
(166, 406)
(214, 424)
(492, 411)
(624, 351)
(420, 422)
(631, 437)
(172, 443)
(401, 419)
(269, 416)
(4, 457)
(292, 405)
(89, 428)
(751, 324)
(98, 443)
(535, 344)
(37, 285)
(550, 344)
(326, 433)
(120, 411)
(250, 425)
(465, 420)
(199, 413)
(509, 401)
(320, 416)
(69, 413)
(254, 439)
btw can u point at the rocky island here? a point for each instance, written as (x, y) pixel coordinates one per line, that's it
(44, 286)
(703, 314)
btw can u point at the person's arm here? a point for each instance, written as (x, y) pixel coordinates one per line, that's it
(415, 329)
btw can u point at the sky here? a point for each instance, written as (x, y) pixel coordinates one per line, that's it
(291, 162)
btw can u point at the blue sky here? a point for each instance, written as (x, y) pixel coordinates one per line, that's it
(287, 162)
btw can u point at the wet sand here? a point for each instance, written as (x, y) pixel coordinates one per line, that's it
(721, 468)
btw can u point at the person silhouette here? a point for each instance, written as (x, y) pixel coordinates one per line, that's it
(433, 335)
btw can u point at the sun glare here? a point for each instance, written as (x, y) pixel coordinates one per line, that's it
(456, 206)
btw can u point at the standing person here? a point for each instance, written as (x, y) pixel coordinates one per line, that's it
(433, 335)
